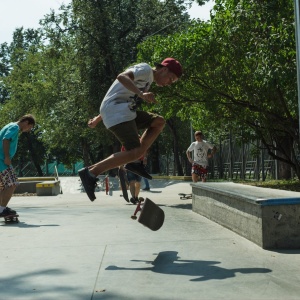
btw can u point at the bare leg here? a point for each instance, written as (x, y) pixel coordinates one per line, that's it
(6, 195)
(121, 158)
(137, 189)
(132, 188)
(194, 177)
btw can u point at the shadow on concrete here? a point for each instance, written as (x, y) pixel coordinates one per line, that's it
(285, 251)
(152, 191)
(29, 286)
(25, 225)
(168, 262)
(183, 206)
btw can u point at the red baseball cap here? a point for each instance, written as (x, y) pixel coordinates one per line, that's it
(173, 65)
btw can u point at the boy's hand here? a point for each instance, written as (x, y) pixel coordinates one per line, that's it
(148, 97)
(92, 123)
(7, 161)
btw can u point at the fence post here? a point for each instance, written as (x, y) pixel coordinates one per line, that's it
(243, 170)
(220, 160)
(257, 160)
(230, 156)
(263, 178)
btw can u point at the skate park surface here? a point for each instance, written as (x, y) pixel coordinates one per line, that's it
(67, 247)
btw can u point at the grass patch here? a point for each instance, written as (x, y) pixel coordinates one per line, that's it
(288, 185)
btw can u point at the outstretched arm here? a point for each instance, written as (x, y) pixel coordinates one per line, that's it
(92, 123)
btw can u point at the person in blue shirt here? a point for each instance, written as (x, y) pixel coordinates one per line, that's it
(9, 136)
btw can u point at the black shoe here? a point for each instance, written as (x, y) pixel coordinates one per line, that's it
(10, 211)
(134, 200)
(137, 169)
(146, 189)
(7, 212)
(88, 182)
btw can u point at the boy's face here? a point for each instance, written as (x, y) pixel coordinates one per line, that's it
(198, 137)
(164, 77)
(26, 127)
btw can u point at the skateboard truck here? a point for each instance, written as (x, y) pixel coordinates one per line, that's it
(11, 219)
(138, 208)
(151, 215)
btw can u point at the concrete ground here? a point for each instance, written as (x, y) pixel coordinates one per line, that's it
(66, 247)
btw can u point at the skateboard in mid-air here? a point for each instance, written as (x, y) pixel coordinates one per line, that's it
(123, 183)
(11, 219)
(151, 215)
(185, 196)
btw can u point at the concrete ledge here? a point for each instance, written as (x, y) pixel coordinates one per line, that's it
(268, 217)
(184, 178)
(25, 179)
(28, 184)
(48, 188)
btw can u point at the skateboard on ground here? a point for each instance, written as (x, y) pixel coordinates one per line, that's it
(185, 196)
(150, 216)
(11, 219)
(123, 183)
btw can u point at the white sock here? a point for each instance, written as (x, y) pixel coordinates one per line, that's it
(2, 209)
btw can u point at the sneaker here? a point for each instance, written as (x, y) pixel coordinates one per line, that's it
(88, 182)
(137, 169)
(10, 211)
(7, 212)
(132, 200)
(146, 189)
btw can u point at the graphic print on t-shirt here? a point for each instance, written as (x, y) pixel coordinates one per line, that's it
(136, 101)
(200, 153)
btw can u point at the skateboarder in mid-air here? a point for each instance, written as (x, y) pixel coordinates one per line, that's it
(9, 135)
(119, 113)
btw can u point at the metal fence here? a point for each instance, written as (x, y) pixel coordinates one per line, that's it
(233, 160)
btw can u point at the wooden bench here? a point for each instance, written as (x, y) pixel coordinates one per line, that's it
(268, 217)
(48, 188)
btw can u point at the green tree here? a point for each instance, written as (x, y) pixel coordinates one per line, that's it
(240, 74)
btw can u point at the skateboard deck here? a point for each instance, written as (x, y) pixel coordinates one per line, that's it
(151, 215)
(122, 177)
(11, 219)
(185, 196)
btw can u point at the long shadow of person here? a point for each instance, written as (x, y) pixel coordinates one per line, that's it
(168, 262)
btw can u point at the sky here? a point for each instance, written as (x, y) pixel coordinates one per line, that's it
(27, 13)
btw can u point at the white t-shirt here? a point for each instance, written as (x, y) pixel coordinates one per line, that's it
(200, 152)
(118, 104)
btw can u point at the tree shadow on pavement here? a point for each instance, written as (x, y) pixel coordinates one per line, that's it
(168, 262)
(28, 285)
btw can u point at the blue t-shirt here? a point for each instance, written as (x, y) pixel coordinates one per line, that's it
(8, 132)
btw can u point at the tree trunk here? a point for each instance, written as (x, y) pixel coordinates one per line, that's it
(85, 153)
(153, 162)
(176, 148)
(33, 156)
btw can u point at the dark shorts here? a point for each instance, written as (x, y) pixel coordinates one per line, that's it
(127, 132)
(133, 177)
(199, 170)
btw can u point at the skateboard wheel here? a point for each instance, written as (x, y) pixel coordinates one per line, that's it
(133, 217)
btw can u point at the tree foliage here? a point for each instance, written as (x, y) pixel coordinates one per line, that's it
(240, 74)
